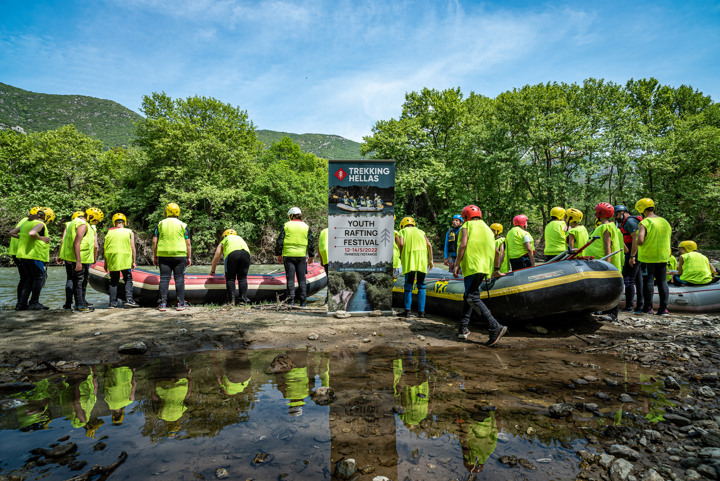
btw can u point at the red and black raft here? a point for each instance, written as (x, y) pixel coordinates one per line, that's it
(204, 288)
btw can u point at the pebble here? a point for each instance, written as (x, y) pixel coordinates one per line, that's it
(706, 391)
(603, 396)
(222, 473)
(621, 469)
(133, 348)
(323, 396)
(342, 314)
(621, 451)
(366, 340)
(181, 332)
(652, 475)
(380, 478)
(677, 419)
(625, 398)
(346, 468)
(606, 460)
(707, 471)
(312, 336)
(536, 329)
(692, 475)
(421, 338)
(560, 410)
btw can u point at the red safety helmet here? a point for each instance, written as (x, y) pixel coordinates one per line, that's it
(471, 212)
(603, 209)
(520, 220)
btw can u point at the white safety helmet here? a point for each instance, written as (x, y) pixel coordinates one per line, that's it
(294, 211)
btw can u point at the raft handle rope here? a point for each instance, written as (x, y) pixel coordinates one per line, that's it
(592, 239)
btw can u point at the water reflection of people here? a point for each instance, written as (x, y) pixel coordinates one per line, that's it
(479, 443)
(171, 394)
(296, 384)
(236, 374)
(119, 391)
(415, 399)
(35, 415)
(77, 399)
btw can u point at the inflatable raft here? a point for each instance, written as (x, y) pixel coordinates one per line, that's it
(204, 288)
(350, 208)
(560, 287)
(690, 298)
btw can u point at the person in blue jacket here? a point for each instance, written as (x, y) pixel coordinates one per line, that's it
(451, 241)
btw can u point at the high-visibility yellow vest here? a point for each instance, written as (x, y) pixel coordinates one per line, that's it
(31, 248)
(396, 253)
(414, 255)
(233, 243)
(515, 245)
(656, 247)
(323, 246)
(67, 250)
(555, 238)
(14, 241)
(505, 265)
(580, 234)
(479, 254)
(87, 246)
(597, 248)
(118, 249)
(171, 238)
(695, 268)
(296, 239)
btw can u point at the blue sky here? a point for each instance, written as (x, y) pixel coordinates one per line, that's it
(337, 67)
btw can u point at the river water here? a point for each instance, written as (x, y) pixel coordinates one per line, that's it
(404, 414)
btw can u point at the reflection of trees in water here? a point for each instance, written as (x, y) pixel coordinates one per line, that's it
(378, 288)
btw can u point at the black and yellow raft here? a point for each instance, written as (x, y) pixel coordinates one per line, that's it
(569, 286)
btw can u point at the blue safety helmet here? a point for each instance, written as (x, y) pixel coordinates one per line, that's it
(621, 208)
(458, 217)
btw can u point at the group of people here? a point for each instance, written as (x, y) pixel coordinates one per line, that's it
(362, 201)
(638, 246)
(172, 250)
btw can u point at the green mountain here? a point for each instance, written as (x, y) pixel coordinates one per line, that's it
(105, 120)
(331, 147)
(112, 123)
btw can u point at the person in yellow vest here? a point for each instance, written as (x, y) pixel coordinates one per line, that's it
(120, 256)
(504, 260)
(12, 249)
(120, 387)
(610, 241)
(69, 292)
(672, 265)
(89, 247)
(478, 258)
(416, 256)
(237, 264)
(70, 253)
(577, 235)
(323, 252)
(414, 398)
(479, 444)
(651, 246)
(171, 395)
(33, 255)
(555, 234)
(693, 268)
(520, 245)
(295, 248)
(172, 253)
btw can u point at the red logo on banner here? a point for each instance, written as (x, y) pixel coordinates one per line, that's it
(340, 174)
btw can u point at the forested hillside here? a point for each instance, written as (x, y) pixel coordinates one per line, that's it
(332, 147)
(105, 120)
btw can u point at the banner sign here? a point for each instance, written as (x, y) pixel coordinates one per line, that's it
(361, 235)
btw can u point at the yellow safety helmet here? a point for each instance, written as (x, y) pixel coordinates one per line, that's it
(77, 213)
(643, 204)
(229, 232)
(172, 210)
(497, 228)
(49, 214)
(94, 215)
(406, 222)
(119, 216)
(557, 212)
(574, 215)
(688, 245)
(35, 210)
